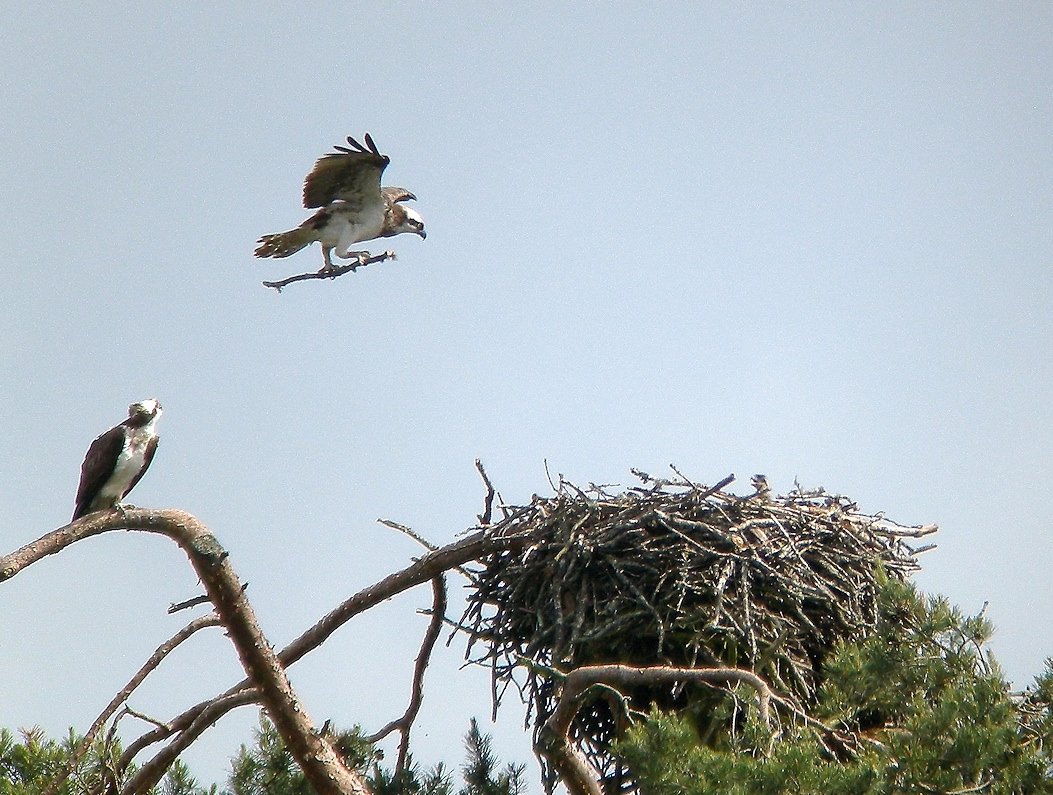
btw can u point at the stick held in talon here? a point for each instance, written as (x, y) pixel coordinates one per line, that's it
(353, 207)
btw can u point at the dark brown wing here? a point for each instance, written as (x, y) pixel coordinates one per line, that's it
(148, 456)
(97, 467)
(393, 194)
(351, 175)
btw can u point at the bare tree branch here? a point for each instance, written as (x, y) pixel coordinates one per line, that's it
(331, 273)
(175, 607)
(567, 760)
(161, 652)
(409, 531)
(317, 759)
(488, 503)
(473, 547)
(452, 556)
(148, 776)
(405, 723)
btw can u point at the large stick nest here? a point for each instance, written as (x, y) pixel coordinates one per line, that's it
(673, 573)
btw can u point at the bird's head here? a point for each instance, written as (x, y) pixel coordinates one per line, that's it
(144, 410)
(413, 223)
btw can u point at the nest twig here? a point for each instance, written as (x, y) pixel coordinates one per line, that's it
(671, 572)
(331, 273)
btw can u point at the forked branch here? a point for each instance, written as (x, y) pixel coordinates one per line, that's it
(188, 725)
(320, 763)
(569, 762)
(162, 651)
(405, 723)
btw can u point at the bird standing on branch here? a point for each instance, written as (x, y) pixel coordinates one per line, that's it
(117, 460)
(345, 184)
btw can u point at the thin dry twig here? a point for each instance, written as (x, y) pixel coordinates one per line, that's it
(488, 502)
(409, 532)
(162, 651)
(405, 723)
(331, 273)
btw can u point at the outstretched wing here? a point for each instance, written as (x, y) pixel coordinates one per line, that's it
(350, 175)
(393, 194)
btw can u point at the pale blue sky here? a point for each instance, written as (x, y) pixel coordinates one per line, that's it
(808, 240)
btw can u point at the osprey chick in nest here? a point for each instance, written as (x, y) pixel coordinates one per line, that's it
(345, 184)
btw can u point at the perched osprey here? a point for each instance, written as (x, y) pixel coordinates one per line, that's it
(118, 459)
(346, 185)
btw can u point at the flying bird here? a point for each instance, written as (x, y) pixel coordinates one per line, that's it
(117, 460)
(345, 184)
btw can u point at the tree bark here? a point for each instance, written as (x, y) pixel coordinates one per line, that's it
(321, 765)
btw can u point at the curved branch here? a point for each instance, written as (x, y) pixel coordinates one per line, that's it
(162, 651)
(320, 764)
(473, 547)
(331, 273)
(148, 776)
(567, 760)
(405, 723)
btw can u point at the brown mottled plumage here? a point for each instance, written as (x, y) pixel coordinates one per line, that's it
(345, 184)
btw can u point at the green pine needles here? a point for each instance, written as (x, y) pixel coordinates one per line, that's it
(918, 706)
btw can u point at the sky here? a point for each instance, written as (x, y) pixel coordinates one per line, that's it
(806, 240)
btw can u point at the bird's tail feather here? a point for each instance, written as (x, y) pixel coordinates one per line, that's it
(285, 243)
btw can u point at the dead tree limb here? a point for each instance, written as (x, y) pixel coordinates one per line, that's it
(473, 547)
(405, 723)
(331, 273)
(162, 651)
(409, 531)
(148, 776)
(488, 502)
(554, 743)
(316, 757)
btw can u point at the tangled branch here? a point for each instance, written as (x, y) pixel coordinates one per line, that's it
(677, 574)
(162, 651)
(184, 728)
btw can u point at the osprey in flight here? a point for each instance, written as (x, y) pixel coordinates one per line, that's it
(354, 208)
(118, 459)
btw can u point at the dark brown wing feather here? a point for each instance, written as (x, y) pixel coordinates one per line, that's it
(393, 194)
(97, 467)
(148, 456)
(352, 176)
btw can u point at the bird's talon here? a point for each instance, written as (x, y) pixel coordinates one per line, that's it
(344, 186)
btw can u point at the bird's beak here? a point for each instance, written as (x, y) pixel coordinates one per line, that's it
(422, 233)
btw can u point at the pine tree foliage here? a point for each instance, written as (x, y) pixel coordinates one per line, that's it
(265, 768)
(479, 769)
(178, 781)
(410, 780)
(27, 766)
(923, 703)
(269, 769)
